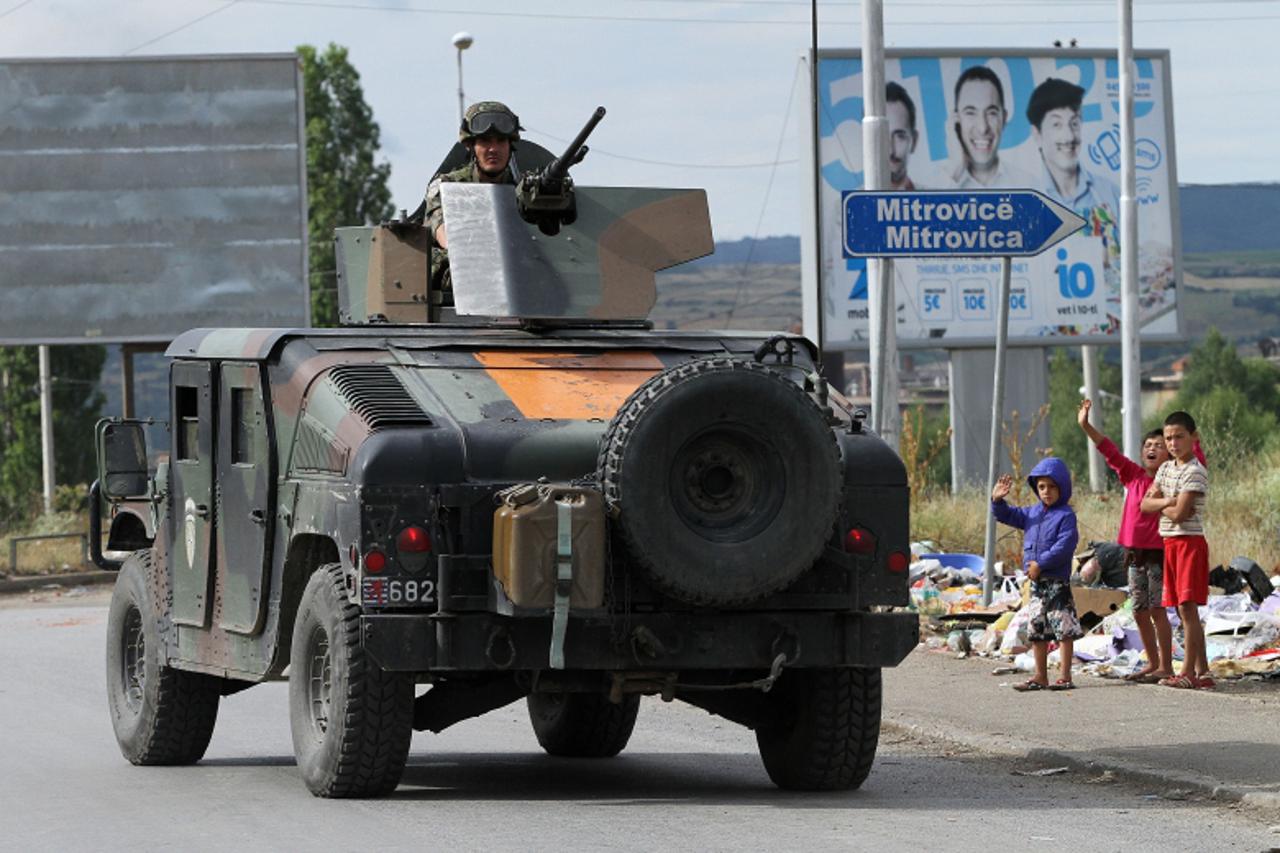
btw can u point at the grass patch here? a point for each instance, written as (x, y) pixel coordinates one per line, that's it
(1242, 517)
(49, 556)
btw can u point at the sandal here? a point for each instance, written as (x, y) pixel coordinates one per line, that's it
(1062, 684)
(1181, 682)
(1150, 678)
(1138, 677)
(1205, 683)
(1029, 686)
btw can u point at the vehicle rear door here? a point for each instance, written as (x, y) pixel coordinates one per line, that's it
(191, 467)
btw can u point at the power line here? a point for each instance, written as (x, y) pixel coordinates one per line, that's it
(670, 164)
(646, 19)
(764, 205)
(13, 9)
(179, 29)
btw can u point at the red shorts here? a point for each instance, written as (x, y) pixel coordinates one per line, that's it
(1186, 570)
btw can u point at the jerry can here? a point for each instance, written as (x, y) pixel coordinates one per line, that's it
(526, 527)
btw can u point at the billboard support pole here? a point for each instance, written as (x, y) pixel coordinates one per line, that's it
(875, 138)
(997, 412)
(819, 318)
(1130, 346)
(1089, 356)
(46, 427)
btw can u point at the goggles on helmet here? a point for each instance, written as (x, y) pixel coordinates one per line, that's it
(503, 124)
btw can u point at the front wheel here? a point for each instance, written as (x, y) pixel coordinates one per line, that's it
(351, 721)
(161, 715)
(582, 725)
(824, 731)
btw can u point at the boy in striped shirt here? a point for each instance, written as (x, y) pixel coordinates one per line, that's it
(1178, 496)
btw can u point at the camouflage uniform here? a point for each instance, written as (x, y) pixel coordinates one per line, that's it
(468, 174)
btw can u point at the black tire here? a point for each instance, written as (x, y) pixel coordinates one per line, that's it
(351, 721)
(161, 715)
(582, 725)
(825, 733)
(725, 479)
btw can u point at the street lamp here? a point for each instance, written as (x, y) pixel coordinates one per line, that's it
(461, 41)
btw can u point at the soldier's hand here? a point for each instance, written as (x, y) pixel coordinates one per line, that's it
(442, 239)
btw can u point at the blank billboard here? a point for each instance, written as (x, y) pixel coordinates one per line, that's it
(144, 197)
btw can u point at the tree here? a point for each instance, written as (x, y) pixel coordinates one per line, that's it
(1234, 401)
(344, 184)
(76, 402)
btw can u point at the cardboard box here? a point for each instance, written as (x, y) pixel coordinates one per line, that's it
(1097, 600)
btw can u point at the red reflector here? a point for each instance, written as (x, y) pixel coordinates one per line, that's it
(375, 561)
(898, 562)
(413, 540)
(859, 541)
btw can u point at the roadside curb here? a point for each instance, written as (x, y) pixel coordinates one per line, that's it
(30, 582)
(1264, 803)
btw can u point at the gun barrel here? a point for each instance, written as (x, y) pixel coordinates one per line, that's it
(560, 167)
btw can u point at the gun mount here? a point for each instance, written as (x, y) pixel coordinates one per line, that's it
(545, 198)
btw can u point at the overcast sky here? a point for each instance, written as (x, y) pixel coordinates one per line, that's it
(697, 90)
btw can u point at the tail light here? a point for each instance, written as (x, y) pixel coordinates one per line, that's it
(375, 561)
(859, 540)
(413, 540)
(898, 561)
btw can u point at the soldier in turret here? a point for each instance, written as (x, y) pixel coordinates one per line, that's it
(489, 131)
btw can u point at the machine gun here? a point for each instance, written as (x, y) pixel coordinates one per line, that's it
(545, 198)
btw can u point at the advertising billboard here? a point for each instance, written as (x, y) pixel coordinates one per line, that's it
(147, 196)
(969, 120)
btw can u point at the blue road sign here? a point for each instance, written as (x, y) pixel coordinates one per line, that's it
(964, 223)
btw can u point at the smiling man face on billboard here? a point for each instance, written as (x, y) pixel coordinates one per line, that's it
(903, 136)
(978, 119)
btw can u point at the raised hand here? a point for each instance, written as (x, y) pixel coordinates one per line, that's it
(1002, 487)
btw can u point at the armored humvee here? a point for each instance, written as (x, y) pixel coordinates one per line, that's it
(528, 494)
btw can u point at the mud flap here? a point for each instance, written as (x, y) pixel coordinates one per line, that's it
(564, 581)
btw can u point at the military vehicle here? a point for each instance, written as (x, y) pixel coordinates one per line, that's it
(519, 490)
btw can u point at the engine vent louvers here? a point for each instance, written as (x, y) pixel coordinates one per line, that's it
(375, 394)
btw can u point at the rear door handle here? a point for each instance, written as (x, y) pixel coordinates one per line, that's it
(202, 510)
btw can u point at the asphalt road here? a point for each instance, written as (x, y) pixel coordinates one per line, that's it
(688, 781)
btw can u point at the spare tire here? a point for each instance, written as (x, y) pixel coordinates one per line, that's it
(725, 480)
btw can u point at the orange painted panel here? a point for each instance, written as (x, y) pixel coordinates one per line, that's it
(568, 385)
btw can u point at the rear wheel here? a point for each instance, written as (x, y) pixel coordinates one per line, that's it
(824, 731)
(582, 725)
(351, 721)
(161, 715)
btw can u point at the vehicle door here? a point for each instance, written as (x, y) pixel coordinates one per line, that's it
(191, 470)
(245, 497)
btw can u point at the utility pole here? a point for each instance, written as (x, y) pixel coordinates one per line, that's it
(1130, 344)
(884, 315)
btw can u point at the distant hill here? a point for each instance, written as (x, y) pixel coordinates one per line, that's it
(1215, 218)
(1230, 217)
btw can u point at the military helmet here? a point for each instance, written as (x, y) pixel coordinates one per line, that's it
(484, 117)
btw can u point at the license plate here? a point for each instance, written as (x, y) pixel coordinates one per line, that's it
(397, 592)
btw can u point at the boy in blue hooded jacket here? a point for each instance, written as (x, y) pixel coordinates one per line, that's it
(1048, 543)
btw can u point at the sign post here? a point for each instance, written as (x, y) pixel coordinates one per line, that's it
(976, 224)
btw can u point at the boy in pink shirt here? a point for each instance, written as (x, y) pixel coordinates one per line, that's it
(1144, 549)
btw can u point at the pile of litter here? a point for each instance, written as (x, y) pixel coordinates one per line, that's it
(1241, 619)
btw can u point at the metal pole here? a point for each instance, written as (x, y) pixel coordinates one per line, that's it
(875, 144)
(46, 426)
(126, 381)
(462, 104)
(817, 177)
(1130, 346)
(1089, 355)
(997, 416)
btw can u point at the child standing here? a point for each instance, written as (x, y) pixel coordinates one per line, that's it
(1178, 496)
(1049, 540)
(1143, 545)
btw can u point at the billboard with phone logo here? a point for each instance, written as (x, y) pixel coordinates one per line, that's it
(1005, 119)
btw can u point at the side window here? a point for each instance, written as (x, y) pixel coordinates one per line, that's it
(242, 423)
(186, 429)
